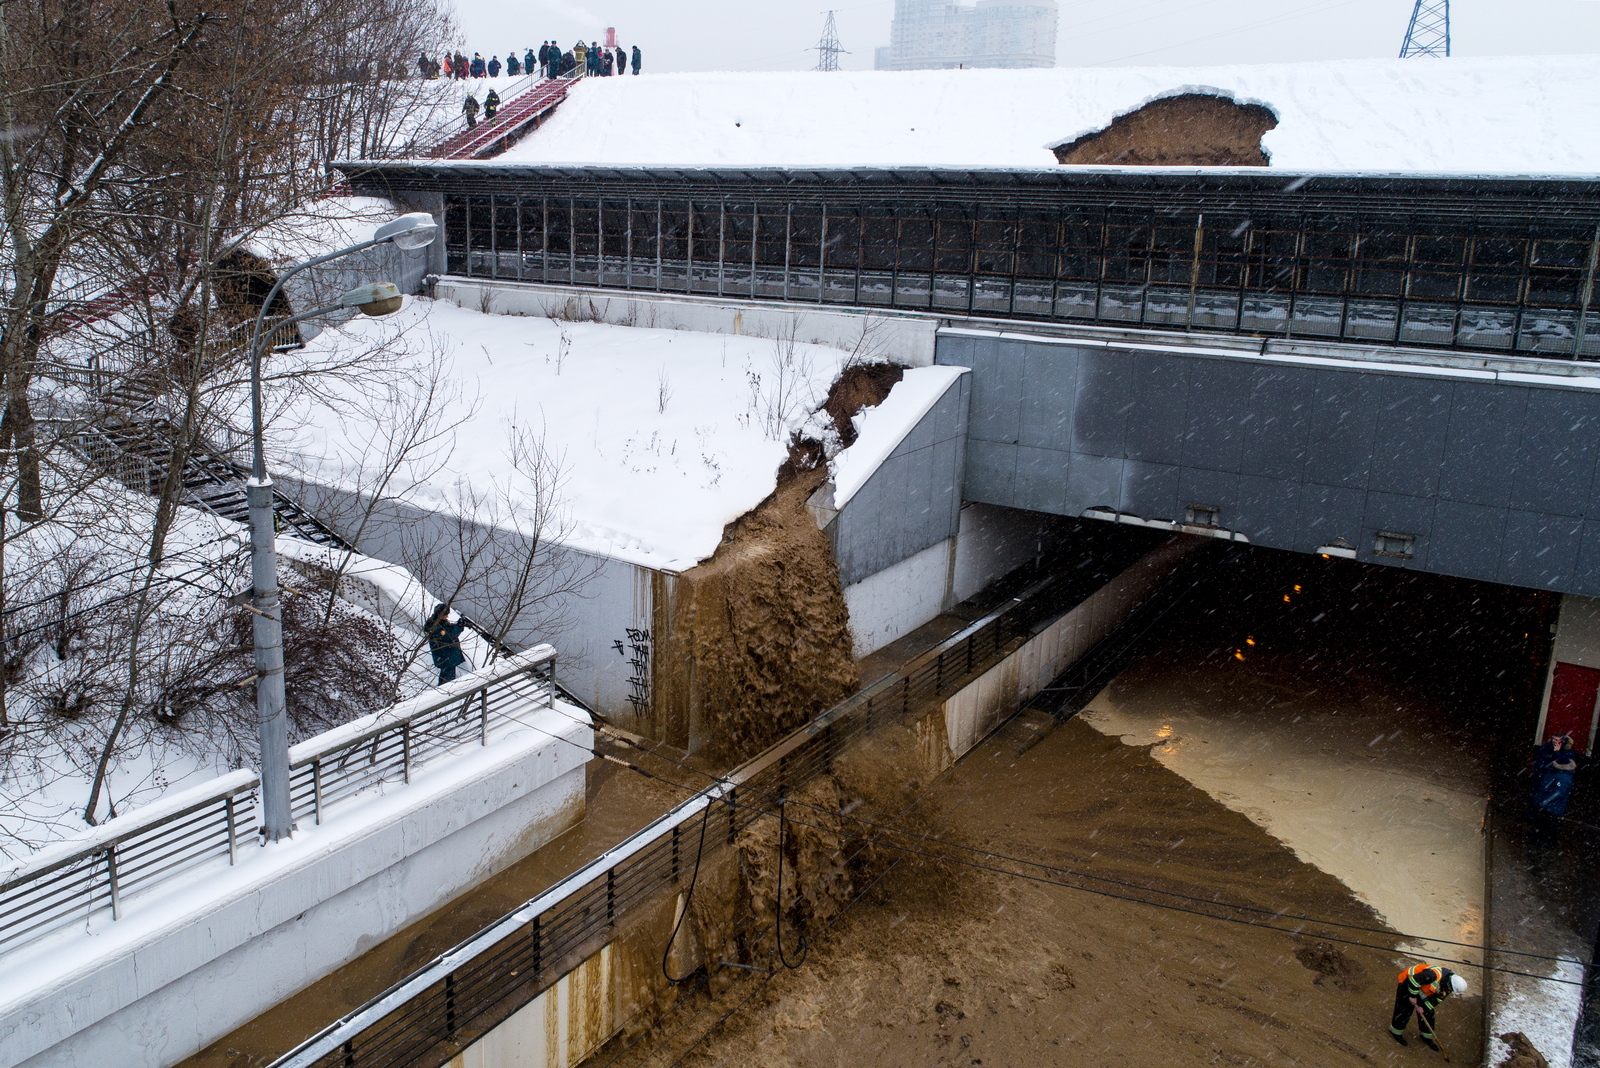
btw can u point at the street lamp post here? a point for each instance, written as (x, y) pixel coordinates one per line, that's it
(409, 233)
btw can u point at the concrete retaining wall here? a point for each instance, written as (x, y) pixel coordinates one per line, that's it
(183, 968)
(558, 1028)
(907, 340)
(596, 605)
(973, 712)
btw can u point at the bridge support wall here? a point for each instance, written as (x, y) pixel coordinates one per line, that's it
(1478, 474)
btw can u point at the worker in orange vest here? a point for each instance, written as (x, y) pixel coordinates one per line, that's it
(1421, 988)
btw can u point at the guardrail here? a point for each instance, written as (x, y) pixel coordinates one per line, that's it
(425, 1019)
(154, 845)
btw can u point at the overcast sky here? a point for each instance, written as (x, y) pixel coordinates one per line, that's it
(777, 34)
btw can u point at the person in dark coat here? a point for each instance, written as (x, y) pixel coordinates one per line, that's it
(622, 61)
(479, 69)
(494, 66)
(569, 63)
(538, 63)
(1554, 766)
(461, 67)
(469, 108)
(491, 104)
(422, 64)
(513, 65)
(638, 59)
(606, 63)
(444, 642)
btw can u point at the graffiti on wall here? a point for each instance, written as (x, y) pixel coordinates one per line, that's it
(635, 649)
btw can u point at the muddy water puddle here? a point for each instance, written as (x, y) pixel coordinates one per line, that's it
(1369, 783)
(968, 967)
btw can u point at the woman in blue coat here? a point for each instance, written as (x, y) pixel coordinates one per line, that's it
(444, 642)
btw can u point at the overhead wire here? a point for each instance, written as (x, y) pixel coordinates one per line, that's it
(1076, 873)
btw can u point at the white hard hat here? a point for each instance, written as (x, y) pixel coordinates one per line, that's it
(1458, 985)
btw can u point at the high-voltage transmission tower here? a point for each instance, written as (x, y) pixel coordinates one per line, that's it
(829, 49)
(1429, 32)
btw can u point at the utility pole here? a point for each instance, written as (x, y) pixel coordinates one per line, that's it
(829, 49)
(1429, 32)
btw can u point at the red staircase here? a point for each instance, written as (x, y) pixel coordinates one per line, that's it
(517, 115)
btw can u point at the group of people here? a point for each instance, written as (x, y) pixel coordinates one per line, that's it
(550, 61)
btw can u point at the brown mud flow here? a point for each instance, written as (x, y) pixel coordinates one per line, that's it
(759, 639)
(951, 965)
(756, 640)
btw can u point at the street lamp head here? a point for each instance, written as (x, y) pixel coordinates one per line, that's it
(409, 232)
(379, 298)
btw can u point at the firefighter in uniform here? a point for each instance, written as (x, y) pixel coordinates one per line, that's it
(1418, 994)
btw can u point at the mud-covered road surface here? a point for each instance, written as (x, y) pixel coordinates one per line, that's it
(975, 968)
(1375, 687)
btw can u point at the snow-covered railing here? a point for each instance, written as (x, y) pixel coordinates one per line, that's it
(74, 882)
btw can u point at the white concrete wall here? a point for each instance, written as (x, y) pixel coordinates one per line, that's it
(991, 542)
(585, 620)
(880, 334)
(994, 541)
(187, 964)
(557, 1029)
(900, 598)
(982, 705)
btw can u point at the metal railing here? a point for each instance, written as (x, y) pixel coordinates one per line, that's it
(425, 1019)
(131, 854)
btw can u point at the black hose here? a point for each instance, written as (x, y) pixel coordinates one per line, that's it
(688, 898)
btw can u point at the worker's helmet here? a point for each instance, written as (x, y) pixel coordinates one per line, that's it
(1458, 985)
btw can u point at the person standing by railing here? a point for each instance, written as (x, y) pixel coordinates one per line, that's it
(514, 64)
(444, 643)
(580, 53)
(546, 60)
(491, 104)
(469, 108)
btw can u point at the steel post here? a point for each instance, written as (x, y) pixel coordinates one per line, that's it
(272, 720)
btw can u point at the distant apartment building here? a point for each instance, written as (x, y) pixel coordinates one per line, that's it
(937, 34)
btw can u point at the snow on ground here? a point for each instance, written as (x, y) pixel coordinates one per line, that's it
(1394, 816)
(881, 429)
(1515, 115)
(1544, 1012)
(663, 436)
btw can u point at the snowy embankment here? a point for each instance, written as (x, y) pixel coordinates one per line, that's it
(1514, 115)
(661, 437)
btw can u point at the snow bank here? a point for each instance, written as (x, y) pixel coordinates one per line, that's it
(880, 430)
(1515, 115)
(663, 436)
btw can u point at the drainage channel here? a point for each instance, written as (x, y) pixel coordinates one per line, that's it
(462, 995)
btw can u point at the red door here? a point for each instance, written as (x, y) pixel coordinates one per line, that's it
(1572, 698)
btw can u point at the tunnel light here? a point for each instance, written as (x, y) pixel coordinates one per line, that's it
(1337, 547)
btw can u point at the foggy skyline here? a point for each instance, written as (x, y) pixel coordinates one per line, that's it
(738, 35)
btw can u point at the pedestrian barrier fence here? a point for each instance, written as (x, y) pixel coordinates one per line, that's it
(79, 882)
(425, 1019)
